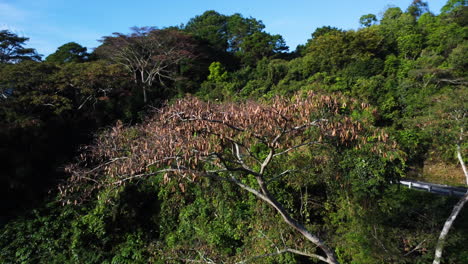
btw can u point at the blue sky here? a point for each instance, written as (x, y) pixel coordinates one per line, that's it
(52, 23)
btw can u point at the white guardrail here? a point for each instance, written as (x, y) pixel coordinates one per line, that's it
(434, 188)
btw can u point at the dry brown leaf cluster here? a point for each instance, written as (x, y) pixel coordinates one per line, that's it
(186, 138)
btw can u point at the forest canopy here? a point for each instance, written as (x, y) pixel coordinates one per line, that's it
(212, 142)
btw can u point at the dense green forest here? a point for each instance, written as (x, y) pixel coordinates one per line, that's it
(211, 142)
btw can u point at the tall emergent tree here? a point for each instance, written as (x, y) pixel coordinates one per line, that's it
(12, 48)
(252, 145)
(150, 54)
(417, 8)
(367, 20)
(236, 35)
(69, 52)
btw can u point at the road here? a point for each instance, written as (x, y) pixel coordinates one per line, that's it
(434, 188)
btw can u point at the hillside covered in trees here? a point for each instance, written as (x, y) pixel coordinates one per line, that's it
(214, 142)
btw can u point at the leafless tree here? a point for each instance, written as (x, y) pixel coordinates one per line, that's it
(150, 54)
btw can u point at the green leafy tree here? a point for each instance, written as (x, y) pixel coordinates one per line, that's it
(243, 37)
(261, 45)
(12, 48)
(69, 52)
(321, 31)
(410, 45)
(391, 14)
(368, 20)
(396, 24)
(456, 11)
(334, 50)
(458, 59)
(217, 72)
(211, 26)
(239, 28)
(452, 5)
(417, 8)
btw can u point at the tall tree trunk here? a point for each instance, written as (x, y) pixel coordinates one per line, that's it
(448, 224)
(451, 219)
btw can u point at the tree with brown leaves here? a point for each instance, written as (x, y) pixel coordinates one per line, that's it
(192, 139)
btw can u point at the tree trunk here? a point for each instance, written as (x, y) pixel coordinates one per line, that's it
(448, 224)
(456, 210)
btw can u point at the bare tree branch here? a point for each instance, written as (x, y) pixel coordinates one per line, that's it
(418, 246)
(149, 53)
